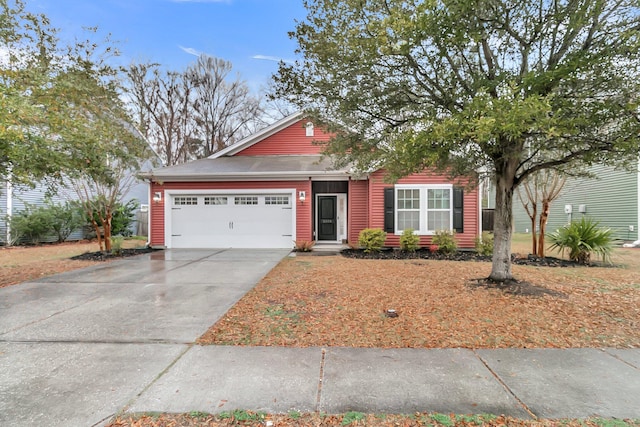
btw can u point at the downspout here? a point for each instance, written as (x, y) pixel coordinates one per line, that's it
(150, 202)
(480, 193)
(638, 203)
(9, 210)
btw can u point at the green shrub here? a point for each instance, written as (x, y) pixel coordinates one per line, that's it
(32, 224)
(372, 239)
(116, 245)
(582, 238)
(446, 241)
(65, 219)
(484, 244)
(122, 217)
(409, 241)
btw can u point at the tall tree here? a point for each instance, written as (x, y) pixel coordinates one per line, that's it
(29, 46)
(61, 112)
(194, 113)
(508, 86)
(224, 107)
(162, 103)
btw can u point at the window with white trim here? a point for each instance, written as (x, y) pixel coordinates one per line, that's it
(423, 208)
(438, 209)
(276, 200)
(408, 208)
(246, 200)
(215, 200)
(185, 200)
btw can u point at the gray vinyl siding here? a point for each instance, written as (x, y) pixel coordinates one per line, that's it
(611, 199)
(37, 197)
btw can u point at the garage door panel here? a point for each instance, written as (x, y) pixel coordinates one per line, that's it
(234, 221)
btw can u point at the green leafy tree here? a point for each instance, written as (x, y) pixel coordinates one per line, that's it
(61, 114)
(508, 87)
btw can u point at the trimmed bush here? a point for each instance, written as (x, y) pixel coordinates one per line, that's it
(446, 241)
(581, 239)
(372, 239)
(484, 244)
(38, 223)
(409, 241)
(66, 219)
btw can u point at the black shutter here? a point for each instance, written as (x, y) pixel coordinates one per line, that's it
(389, 204)
(458, 209)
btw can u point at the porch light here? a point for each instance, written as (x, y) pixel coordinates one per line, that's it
(302, 196)
(157, 196)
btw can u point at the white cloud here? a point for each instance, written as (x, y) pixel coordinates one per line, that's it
(190, 50)
(272, 58)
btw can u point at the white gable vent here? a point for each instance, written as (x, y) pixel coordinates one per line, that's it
(309, 127)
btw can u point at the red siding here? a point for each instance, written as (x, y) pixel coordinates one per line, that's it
(289, 141)
(303, 210)
(376, 203)
(358, 216)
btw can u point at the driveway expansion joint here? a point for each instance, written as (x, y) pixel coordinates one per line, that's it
(505, 386)
(320, 379)
(131, 401)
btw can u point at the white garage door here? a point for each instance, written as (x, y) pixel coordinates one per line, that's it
(231, 221)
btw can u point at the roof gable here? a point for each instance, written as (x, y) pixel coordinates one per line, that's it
(285, 137)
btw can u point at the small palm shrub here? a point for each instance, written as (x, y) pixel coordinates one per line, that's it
(372, 239)
(581, 239)
(484, 244)
(446, 242)
(409, 241)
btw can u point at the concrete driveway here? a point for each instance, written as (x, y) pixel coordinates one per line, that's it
(77, 347)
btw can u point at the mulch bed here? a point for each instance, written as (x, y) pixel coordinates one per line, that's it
(390, 253)
(110, 256)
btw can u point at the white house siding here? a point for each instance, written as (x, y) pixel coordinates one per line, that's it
(611, 199)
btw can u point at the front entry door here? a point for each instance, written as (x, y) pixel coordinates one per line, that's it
(327, 222)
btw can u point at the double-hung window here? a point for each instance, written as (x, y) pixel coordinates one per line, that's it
(423, 208)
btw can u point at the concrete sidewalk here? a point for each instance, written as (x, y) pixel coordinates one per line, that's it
(521, 383)
(80, 347)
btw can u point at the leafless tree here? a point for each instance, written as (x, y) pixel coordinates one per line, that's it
(541, 188)
(224, 108)
(162, 103)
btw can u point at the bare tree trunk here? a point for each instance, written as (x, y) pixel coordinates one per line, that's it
(534, 241)
(544, 217)
(501, 267)
(96, 227)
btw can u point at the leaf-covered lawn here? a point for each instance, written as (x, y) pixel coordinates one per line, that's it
(244, 418)
(335, 301)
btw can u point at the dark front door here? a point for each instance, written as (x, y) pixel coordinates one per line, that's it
(327, 223)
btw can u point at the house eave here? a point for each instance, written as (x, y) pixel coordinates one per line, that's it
(251, 176)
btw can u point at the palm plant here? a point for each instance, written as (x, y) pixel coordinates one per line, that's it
(582, 238)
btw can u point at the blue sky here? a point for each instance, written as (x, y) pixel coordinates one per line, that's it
(173, 32)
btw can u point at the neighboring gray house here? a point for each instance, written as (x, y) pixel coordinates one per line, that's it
(12, 201)
(611, 199)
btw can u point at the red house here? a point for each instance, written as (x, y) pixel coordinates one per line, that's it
(274, 187)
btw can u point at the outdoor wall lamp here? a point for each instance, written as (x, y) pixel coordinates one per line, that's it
(157, 196)
(302, 196)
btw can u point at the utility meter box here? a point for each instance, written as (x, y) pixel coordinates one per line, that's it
(582, 208)
(568, 209)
